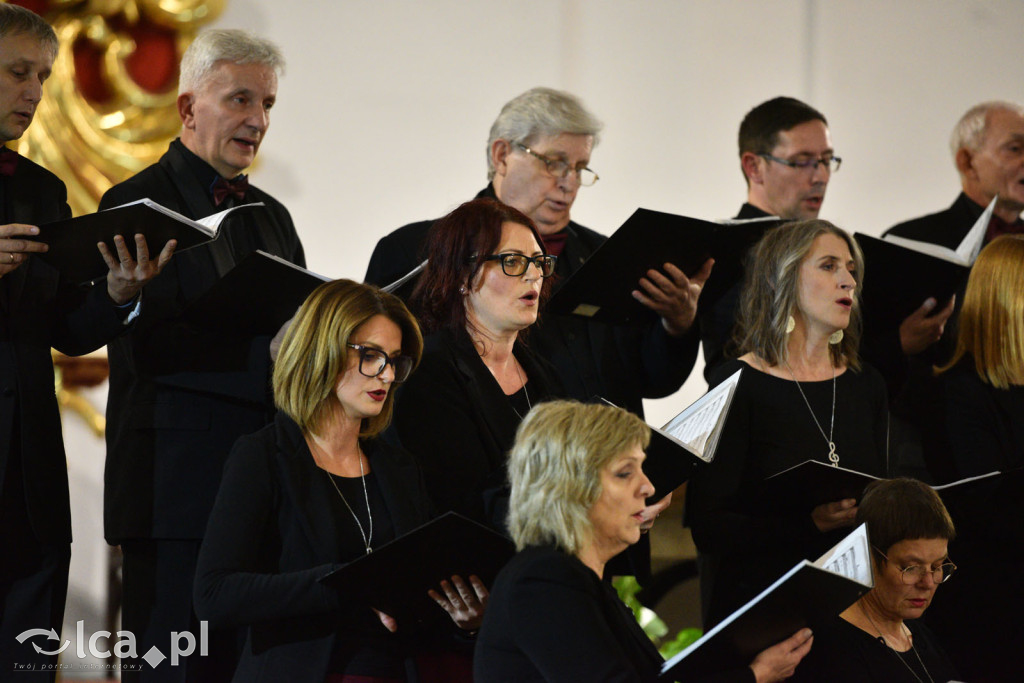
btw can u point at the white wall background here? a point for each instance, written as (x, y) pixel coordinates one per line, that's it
(383, 113)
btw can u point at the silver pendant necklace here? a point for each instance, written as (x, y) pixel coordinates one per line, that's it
(526, 392)
(833, 457)
(895, 653)
(367, 540)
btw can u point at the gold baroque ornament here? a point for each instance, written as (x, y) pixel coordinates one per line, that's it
(109, 108)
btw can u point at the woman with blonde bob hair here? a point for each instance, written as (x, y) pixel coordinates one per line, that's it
(314, 490)
(578, 494)
(804, 395)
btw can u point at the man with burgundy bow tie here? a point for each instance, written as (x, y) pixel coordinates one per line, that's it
(39, 310)
(180, 396)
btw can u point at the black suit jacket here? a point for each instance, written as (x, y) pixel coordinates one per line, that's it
(550, 618)
(454, 417)
(180, 397)
(622, 364)
(41, 311)
(272, 535)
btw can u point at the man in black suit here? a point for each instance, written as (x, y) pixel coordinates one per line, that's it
(538, 154)
(787, 159)
(988, 150)
(39, 310)
(180, 396)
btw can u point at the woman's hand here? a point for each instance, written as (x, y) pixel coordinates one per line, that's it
(779, 662)
(829, 516)
(464, 603)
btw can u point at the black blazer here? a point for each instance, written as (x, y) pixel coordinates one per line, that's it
(550, 618)
(623, 364)
(454, 417)
(180, 397)
(39, 312)
(272, 535)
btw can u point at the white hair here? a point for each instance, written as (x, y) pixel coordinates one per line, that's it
(225, 45)
(970, 130)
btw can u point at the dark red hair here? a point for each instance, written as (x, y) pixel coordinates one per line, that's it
(473, 229)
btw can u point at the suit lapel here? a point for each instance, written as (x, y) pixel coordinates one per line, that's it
(23, 207)
(305, 485)
(199, 205)
(494, 408)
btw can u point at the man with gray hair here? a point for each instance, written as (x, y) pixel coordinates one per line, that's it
(538, 157)
(180, 396)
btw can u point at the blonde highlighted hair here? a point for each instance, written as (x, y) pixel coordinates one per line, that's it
(555, 469)
(991, 323)
(315, 351)
(771, 293)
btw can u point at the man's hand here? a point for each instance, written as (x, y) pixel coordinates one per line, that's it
(13, 251)
(919, 330)
(127, 276)
(673, 296)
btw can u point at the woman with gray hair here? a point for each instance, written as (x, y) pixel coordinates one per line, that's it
(578, 493)
(804, 395)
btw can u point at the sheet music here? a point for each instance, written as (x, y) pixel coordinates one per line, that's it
(972, 241)
(745, 221)
(702, 420)
(851, 557)
(214, 220)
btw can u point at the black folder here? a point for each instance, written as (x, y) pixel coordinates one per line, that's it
(807, 596)
(899, 279)
(805, 486)
(72, 242)
(256, 297)
(395, 578)
(602, 288)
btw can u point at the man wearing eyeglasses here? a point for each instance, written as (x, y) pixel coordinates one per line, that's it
(787, 160)
(538, 157)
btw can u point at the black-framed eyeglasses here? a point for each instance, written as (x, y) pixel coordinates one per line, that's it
(831, 163)
(915, 572)
(515, 265)
(373, 361)
(560, 168)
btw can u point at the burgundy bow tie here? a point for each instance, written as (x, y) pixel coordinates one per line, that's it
(236, 188)
(8, 161)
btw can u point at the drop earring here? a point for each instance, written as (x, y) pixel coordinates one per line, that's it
(835, 337)
(790, 324)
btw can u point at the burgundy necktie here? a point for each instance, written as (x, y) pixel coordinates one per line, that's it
(223, 188)
(8, 161)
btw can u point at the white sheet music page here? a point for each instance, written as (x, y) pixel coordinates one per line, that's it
(851, 557)
(698, 426)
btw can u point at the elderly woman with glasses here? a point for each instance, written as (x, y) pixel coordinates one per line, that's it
(314, 490)
(879, 638)
(578, 495)
(479, 292)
